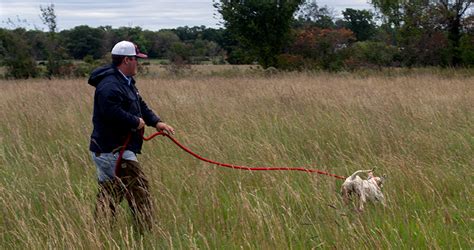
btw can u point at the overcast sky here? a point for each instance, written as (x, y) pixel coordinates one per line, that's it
(148, 14)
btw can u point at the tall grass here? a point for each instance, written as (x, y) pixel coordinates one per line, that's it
(416, 128)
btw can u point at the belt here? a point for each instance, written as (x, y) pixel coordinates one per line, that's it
(114, 151)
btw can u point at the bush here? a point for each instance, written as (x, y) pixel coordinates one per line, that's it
(220, 60)
(467, 49)
(178, 66)
(291, 62)
(325, 48)
(370, 54)
(240, 56)
(81, 69)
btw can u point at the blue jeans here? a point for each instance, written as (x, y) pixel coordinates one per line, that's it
(105, 163)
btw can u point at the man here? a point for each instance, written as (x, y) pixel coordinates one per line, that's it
(119, 117)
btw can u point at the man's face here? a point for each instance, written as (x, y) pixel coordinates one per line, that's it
(131, 66)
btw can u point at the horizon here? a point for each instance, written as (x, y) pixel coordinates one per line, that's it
(148, 15)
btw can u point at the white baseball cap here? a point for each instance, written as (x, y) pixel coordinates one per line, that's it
(126, 48)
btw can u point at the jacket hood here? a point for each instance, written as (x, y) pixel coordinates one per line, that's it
(100, 73)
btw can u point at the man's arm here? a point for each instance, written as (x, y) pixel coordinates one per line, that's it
(151, 119)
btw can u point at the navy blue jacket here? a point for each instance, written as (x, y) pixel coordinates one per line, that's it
(117, 108)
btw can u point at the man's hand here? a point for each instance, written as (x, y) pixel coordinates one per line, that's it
(167, 128)
(142, 124)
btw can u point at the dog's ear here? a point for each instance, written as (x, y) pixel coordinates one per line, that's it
(370, 175)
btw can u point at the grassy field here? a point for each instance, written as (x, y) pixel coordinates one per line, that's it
(417, 128)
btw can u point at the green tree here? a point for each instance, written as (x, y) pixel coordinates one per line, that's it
(392, 11)
(180, 52)
(467, 49)
(214, 35)
(133, 34)
(189, 33)
(48, 16)
(236, 54)
(164, 42)
(419, 37)
(15, 54)
(452, 14)
(82, 41)
(360, 22)
(56, 53)
(38, 42)
(109, 39)
(262, 27)
(446, 15)
(310, 14)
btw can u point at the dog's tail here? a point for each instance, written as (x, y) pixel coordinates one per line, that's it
(360, 171)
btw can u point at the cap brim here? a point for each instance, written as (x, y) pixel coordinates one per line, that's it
(141, 55)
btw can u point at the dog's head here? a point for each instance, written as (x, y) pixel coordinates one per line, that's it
(379, 180)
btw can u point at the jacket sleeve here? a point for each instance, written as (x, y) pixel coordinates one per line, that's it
(110, 100)
(151, 119)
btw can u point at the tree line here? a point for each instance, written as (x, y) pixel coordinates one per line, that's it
(21, 49)
(289, 35)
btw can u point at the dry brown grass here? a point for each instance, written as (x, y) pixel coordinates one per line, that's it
(416, 128)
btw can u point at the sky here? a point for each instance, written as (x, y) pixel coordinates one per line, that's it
(148, 14)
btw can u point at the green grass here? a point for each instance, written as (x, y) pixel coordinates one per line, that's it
(416, 127)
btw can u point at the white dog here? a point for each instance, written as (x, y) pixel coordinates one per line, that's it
(366, 189)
